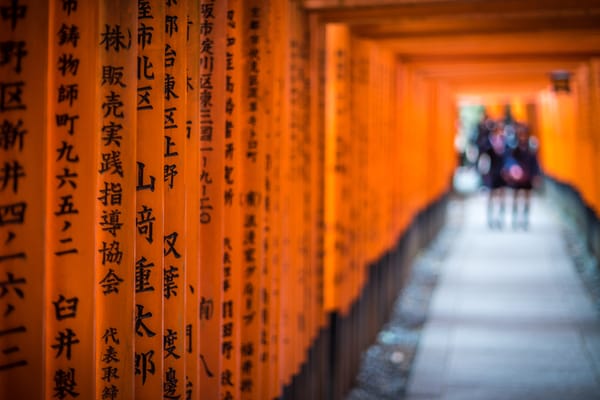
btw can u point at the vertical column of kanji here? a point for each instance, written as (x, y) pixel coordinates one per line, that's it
(265, 129)
(149, 199)
(306, 158)
(316, 69)
(293, 177)
(195, 203)
(265, 163)
(285, 197)
(291, 212)
(335, 167)
(301, 123)
(307, 184)
(71, 200)
(175, 239)
(272, 205)
(307, 193)
(251, 196)
(211, 82)
(23, 83)
(115, 75)
(358, 132)
(353, 189)
(344, 170)
(230, 307)
(350, 191)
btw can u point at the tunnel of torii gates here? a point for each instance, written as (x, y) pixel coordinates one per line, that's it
(220, 199)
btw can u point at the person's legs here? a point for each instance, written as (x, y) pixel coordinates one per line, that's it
(501, 206)
(515, 208)
(490, 208)
(526, 200)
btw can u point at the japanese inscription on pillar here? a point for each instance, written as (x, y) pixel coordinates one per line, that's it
(192, 226)
(175, 239)
(22, 176)
(71, 202)
(149, 198)
(115, 201)
(251, 203)
(230, 331)
(211, 82)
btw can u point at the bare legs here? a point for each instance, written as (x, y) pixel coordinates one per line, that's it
(521, 197)
(495, 208)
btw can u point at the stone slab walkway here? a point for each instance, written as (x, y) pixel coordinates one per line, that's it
(509, 318)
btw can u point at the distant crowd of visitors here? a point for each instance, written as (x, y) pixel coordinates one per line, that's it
(507, 159)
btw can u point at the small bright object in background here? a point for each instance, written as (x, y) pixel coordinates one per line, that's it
(397, 357)
(516, 172)
(466, 180)
(560, 81)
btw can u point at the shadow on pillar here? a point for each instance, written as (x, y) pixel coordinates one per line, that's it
(334, 357)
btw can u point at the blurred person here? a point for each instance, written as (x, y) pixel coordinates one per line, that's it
(485, 127)
(510, 136)
(491, 163)
(522, 175)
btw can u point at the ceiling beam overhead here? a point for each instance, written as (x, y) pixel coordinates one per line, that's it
(573, 42)
(492, 47)
(487, 59)
(380, 11)
(462, 25)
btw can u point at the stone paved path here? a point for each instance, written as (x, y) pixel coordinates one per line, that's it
(509, 319)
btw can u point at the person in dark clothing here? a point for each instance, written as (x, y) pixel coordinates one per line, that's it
(523, 175)
(491, 163)
(485, 128)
